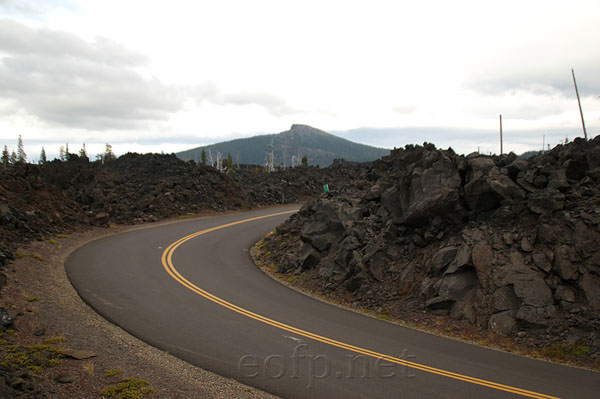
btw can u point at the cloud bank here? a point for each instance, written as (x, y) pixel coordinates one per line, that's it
(61, 79)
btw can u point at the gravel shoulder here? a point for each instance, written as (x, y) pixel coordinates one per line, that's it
(49, 311)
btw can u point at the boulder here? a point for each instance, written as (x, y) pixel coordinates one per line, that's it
(504, 298)
(503, 323)
(442, 258)
(531, 289)
(541, 261)
(390, 200)
(546, 201)
(6, 320)
(309, 258)
(463, 307)
(565, 293)
(323, 242)
(590, 285)
(563, 265)
(575, 168)
(536, 316)
(378, 265)
(488, 192)
(432, 192)
(454, 286)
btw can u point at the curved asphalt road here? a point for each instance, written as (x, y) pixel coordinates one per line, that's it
(203, 300)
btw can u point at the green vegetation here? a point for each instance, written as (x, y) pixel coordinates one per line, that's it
(56, 339)
(20, 255)
(32, 357)
(33, 299)
(565, 351)
(129, 388)
(113, 372)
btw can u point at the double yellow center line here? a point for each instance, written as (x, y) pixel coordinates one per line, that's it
(167, 262)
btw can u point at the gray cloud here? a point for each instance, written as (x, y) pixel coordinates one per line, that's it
(59, 78)
(209, 92)
(272, 103)
(20, 40)
(62, 79)
(544, 76)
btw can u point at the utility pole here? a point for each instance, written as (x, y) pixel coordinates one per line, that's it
(501, 150)
(579, 102)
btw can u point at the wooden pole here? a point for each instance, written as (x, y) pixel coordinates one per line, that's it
(501, 149)
(579, 102)
(544, 143)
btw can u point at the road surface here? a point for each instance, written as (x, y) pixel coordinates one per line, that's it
(191, 288)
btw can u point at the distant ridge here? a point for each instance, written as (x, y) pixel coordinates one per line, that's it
(320, 147)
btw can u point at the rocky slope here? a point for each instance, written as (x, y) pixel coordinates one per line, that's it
(45, 200)
(31, 208)
(504, 243)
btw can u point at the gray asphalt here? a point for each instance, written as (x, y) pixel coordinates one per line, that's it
(122, 278)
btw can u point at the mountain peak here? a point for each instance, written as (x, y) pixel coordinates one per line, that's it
(320, 147)
(298, 128)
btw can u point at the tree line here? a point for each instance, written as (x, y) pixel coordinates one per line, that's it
(8, 158)
(226, 165)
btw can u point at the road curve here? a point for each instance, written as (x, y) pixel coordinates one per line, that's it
(190, 288)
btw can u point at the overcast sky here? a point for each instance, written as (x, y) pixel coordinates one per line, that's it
(151, 76)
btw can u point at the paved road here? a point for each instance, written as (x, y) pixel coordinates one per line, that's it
(200, 297)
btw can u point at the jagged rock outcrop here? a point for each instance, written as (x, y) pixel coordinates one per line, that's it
(42, 200)
(505, 243)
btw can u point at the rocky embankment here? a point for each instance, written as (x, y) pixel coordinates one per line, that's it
(506, 244)
(49, 199)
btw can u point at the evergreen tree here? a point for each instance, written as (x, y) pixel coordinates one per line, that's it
(61, 154)
(83, 152)
(304, 161)
(5, 157)
(108, 153)
(229, 163)
(67, 152)
(203, 157)
(42, 156)
(13, 158)
(21, 156)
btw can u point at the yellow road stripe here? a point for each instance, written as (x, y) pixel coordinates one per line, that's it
(170, 268)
